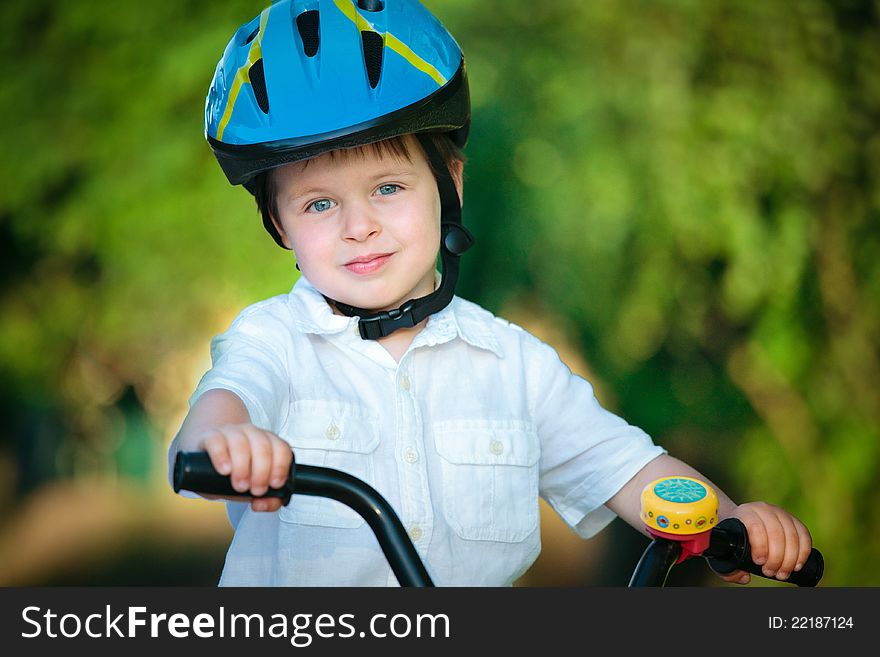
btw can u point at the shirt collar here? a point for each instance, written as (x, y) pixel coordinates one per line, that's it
(312, 314)
(460, 319)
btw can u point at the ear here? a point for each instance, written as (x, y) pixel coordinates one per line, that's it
(281, 233)
(456, 170)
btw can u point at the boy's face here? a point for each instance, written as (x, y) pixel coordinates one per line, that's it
(364, 225)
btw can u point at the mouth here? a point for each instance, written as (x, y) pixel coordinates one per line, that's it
(368, 264)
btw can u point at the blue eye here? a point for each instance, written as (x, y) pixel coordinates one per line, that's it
(388, 189)
(321, 205)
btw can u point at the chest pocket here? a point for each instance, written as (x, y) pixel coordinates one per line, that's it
(490, 478)
(334, 435)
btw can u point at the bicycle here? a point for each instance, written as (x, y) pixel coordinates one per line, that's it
(680, 514)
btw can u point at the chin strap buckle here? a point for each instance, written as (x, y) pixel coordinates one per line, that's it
(385, 323)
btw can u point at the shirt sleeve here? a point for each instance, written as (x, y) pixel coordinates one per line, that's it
(251, 360)
(587, 452)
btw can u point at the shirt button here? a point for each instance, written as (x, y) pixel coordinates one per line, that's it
(332, 432)
(496, 447)
(405, 382)
(415, 533)
(410, 455)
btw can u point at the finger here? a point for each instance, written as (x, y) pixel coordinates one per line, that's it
(775, 545)
(215, 445)
(757, 535)
(281, 460)
(265, 504)
(261, 460)
(240, 454)
(791, 548)
(230, 498)
(737, 577)
(805, 542)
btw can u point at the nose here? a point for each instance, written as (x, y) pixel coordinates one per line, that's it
(360, 223)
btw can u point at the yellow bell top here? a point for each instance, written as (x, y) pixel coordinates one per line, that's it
(679, 505)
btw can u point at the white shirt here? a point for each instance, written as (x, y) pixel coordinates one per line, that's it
(461, 437)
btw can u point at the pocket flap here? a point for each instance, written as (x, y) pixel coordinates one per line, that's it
(334, 426)
(487, 442)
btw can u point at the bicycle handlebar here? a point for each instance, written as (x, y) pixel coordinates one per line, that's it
(194, 471)
(727, 549)
(681, 513)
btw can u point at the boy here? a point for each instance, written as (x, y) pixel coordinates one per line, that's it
(345, 121)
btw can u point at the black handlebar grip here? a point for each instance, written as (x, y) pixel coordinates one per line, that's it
(729, 550)
(193, 471)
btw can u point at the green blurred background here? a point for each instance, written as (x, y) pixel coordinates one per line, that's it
(681, 195)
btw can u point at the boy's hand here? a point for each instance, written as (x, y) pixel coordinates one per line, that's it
(779, 542)
(255, 460)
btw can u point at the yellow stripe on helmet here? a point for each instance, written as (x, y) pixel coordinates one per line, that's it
(241, 76)
(391, 41)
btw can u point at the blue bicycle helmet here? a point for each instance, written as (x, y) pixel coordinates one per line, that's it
(309, 76)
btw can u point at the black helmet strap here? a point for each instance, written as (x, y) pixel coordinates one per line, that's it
(455, 239)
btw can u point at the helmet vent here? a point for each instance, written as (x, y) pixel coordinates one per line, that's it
(307, 23)
(374, 48)
(252, 35)
(371, 5)
(258, 82)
